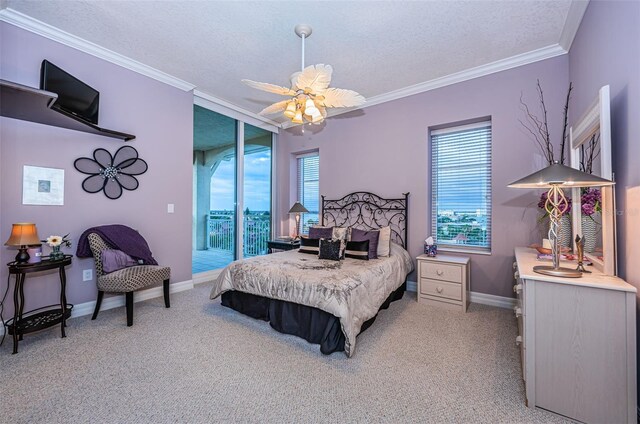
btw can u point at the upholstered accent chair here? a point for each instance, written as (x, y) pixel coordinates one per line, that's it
(126, 280)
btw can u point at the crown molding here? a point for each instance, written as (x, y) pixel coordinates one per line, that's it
(50, 32)
(466, 75)
(572, 23)
(575, 14)
(224, 107)
(469, 74)
(35, 26)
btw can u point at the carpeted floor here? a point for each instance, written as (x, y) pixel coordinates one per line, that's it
(200, 363)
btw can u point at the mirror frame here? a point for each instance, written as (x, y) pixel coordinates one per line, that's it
(596, 118)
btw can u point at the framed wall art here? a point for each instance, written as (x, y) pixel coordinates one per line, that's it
(42, 186)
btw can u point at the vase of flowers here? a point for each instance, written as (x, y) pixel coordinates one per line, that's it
(591, 204)
(55, 243)
(564, 228)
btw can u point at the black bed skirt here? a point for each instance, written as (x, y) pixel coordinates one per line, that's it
(312, 324)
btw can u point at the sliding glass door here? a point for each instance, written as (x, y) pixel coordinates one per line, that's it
(232, 190)
(256, 190)
(214, 181)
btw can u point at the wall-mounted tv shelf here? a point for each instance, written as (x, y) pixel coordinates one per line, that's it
(30, 104)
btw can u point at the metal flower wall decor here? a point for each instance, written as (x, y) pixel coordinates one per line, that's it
(109, 173)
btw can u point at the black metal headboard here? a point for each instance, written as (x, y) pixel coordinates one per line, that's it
(368, 211)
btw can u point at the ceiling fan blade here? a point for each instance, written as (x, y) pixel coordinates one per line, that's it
(274, 108)
(293, 78)
(338, 97)
(315, 77)
(323, 111)
(271, 88)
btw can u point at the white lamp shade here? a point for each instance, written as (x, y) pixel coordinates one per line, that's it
(297, 119)
(317, 117)
(310, 108)
(290, 111)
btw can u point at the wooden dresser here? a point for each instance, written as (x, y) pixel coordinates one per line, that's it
(577, 339)
(444, 280)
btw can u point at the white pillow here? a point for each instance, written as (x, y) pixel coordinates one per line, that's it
(384, 241)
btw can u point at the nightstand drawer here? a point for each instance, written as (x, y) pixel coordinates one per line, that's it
(440, 271)
(441, 289)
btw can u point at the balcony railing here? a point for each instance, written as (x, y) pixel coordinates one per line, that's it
(256, 233)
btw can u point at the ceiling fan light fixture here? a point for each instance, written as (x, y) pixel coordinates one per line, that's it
(290, 111)
(310, 94)
(317, 118)
(297, 119)
(310, 107)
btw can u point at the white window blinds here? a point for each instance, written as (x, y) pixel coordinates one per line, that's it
(461, 186)
(309, 189)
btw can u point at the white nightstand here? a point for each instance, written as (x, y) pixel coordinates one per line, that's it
(444, 280)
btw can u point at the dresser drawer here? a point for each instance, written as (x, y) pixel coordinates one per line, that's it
(440, 271)
(441, 289)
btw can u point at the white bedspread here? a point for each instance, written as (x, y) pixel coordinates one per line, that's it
(352, 290)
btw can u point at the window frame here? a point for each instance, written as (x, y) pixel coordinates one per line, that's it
(456, 128)
(298, 187)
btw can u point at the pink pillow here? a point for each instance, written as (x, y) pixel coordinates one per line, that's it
(114, 260)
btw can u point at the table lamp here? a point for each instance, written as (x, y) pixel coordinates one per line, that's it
(22, 235)
(554, 177)
(297, 208)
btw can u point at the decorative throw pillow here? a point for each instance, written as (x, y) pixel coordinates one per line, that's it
(317, 232)
(357, 250)
(340, 233)
(114, 260)
(372, 236)
(384, 243)
(309, 245)
(330, 249)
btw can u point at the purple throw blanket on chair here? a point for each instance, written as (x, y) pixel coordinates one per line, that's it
(120, 237)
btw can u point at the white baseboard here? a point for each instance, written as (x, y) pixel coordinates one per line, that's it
(412, 286)
(86, 308)
(207, 276)
(476, 297)
(111, 302)
(492, 300)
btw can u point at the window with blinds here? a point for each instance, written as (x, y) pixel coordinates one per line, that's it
(461, 187)
(309, 189)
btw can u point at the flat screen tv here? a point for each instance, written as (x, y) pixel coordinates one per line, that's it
(74, 96)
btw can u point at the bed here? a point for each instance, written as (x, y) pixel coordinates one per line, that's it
(325, 302)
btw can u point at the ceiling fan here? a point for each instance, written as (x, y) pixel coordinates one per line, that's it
(309, 95)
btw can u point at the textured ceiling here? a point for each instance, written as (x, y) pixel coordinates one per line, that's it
(374, 47)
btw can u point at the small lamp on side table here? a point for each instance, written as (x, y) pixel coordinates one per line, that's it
(297, 209)
(22, 235)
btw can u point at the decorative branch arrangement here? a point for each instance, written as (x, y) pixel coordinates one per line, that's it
(589, 152)
(539, 128)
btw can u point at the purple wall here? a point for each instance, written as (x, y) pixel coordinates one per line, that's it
(384, 149)
(606, 50)
(160, 116)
